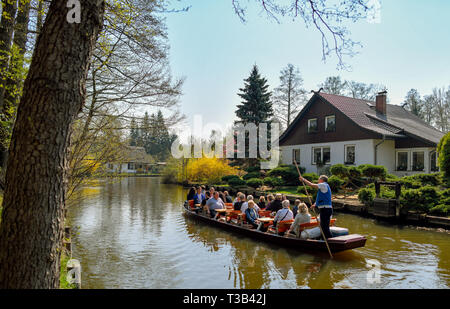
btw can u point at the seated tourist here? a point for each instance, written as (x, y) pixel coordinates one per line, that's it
(276, 204)
(222, 197)
(199, 196)
(284, 214)
(295, 209)
(237, 196)
(214, 203)
(212, 190)
(228, 198)
(302, 217)
(251, 214)
(191, 194)
(262, 203)
(207, 197)
(245, 204)
(238, 202)
(270, 199)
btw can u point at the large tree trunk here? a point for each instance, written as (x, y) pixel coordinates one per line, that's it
(36, 180)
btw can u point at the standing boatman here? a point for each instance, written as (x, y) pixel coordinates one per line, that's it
(323, 202)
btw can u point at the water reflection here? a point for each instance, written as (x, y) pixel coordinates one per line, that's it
(132, 234)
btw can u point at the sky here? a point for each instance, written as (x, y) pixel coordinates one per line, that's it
(215, 51)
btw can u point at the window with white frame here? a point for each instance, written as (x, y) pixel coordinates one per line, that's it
(321, 155)
(402, 161)
(295, 156)
(350, 154)
(330, 123)
(418, 161)
(313, 125)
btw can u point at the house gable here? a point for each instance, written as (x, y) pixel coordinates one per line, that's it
(317, 107)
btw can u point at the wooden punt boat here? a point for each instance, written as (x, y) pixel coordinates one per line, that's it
(337, 244)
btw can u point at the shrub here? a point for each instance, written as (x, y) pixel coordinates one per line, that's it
(335, 183)
(340, 170)
(423, 199)
(229, 177)
(236, 182)
(354, 172)
(288, 173)
(253, 169)
(374, 171)
(252, 175)
(273, 182)
(410, 183)
(313, 177)
(392, 177)
(366, 195)
(441, 209)
(444, 156)
(427, 179)
(254, 182)
(208, 170)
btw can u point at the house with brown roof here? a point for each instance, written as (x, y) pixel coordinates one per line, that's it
(333, 129)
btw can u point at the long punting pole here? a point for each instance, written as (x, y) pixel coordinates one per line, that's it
(310, 201)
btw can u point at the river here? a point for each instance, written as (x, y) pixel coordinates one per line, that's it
(132, 234)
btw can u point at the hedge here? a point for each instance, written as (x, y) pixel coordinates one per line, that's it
(236, 182)
(335, 183)
(254, 182)
(229, 177)
(366, 195)
(273, 181)
(374, 171)
(422, 199)
(288, 173)
(251, 175)
(340, 170)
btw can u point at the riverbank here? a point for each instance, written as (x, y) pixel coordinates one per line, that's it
(353, 206)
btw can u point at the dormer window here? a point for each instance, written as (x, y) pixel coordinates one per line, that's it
(313, 125)
(330, 123)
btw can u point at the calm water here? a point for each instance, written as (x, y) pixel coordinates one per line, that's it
(133, 234)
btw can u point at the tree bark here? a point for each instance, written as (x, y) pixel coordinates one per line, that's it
(36, 180)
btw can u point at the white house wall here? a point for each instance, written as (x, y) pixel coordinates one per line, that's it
(386, 154)
(364, 153)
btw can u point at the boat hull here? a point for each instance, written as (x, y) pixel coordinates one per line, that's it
(337, 244)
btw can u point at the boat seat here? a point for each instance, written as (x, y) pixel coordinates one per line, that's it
(264, 213)
(283, 226)
(313, 224)
(191, 204)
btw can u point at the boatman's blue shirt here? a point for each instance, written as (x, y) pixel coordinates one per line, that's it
(323, 199)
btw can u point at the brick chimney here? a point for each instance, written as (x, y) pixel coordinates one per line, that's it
(381, 102)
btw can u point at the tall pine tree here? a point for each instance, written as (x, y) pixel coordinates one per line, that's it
(256, 107)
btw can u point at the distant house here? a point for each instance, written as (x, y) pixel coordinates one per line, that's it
(134, 160)
(334, 129)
